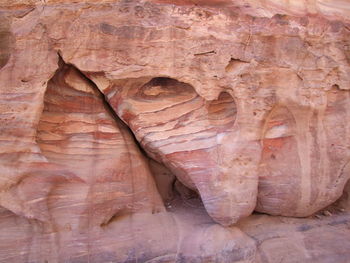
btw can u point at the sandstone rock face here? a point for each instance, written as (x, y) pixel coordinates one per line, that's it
(78, 132)
(109, 108)
(299, 240)
(190, 136)
(321, 163)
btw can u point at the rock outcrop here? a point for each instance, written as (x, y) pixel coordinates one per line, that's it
(194, 139)
(124, 124)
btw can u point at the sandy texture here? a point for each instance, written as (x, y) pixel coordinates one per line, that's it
(116, 116)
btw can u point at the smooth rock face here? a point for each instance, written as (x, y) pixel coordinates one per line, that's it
(319, 160)
(115, 115)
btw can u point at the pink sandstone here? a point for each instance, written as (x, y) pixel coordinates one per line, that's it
(150, 131)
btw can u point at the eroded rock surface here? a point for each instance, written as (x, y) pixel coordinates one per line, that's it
(78, 132)
(245, 104)
(190, 136)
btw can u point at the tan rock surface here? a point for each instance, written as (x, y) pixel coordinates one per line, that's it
(246, 103)
(281, 239)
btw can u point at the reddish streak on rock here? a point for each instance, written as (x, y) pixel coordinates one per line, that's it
(271, 145)
(215, 3)
(128, 116)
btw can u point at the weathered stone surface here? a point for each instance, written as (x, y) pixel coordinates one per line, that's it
(246, 103)
(78, 132)
(280, 239)
(288, 91)
(192, 137)
(320, 161)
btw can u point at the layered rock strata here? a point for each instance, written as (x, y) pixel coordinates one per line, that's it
(244, 103)
(194, 139)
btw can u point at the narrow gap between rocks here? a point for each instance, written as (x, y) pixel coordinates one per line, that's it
(172, 192)
(105, 102)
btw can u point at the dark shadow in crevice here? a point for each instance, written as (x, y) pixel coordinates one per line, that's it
(108, 107)
(116, 216)
(6, 41)
(170, 189)
(235, 64)
(168, 186)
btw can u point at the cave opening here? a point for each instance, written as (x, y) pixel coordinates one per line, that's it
(73, 113)
(176, 131)
(182, 131)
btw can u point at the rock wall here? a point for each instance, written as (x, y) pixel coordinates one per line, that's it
(150, 131)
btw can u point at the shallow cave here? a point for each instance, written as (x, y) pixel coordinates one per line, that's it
(71, 101)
